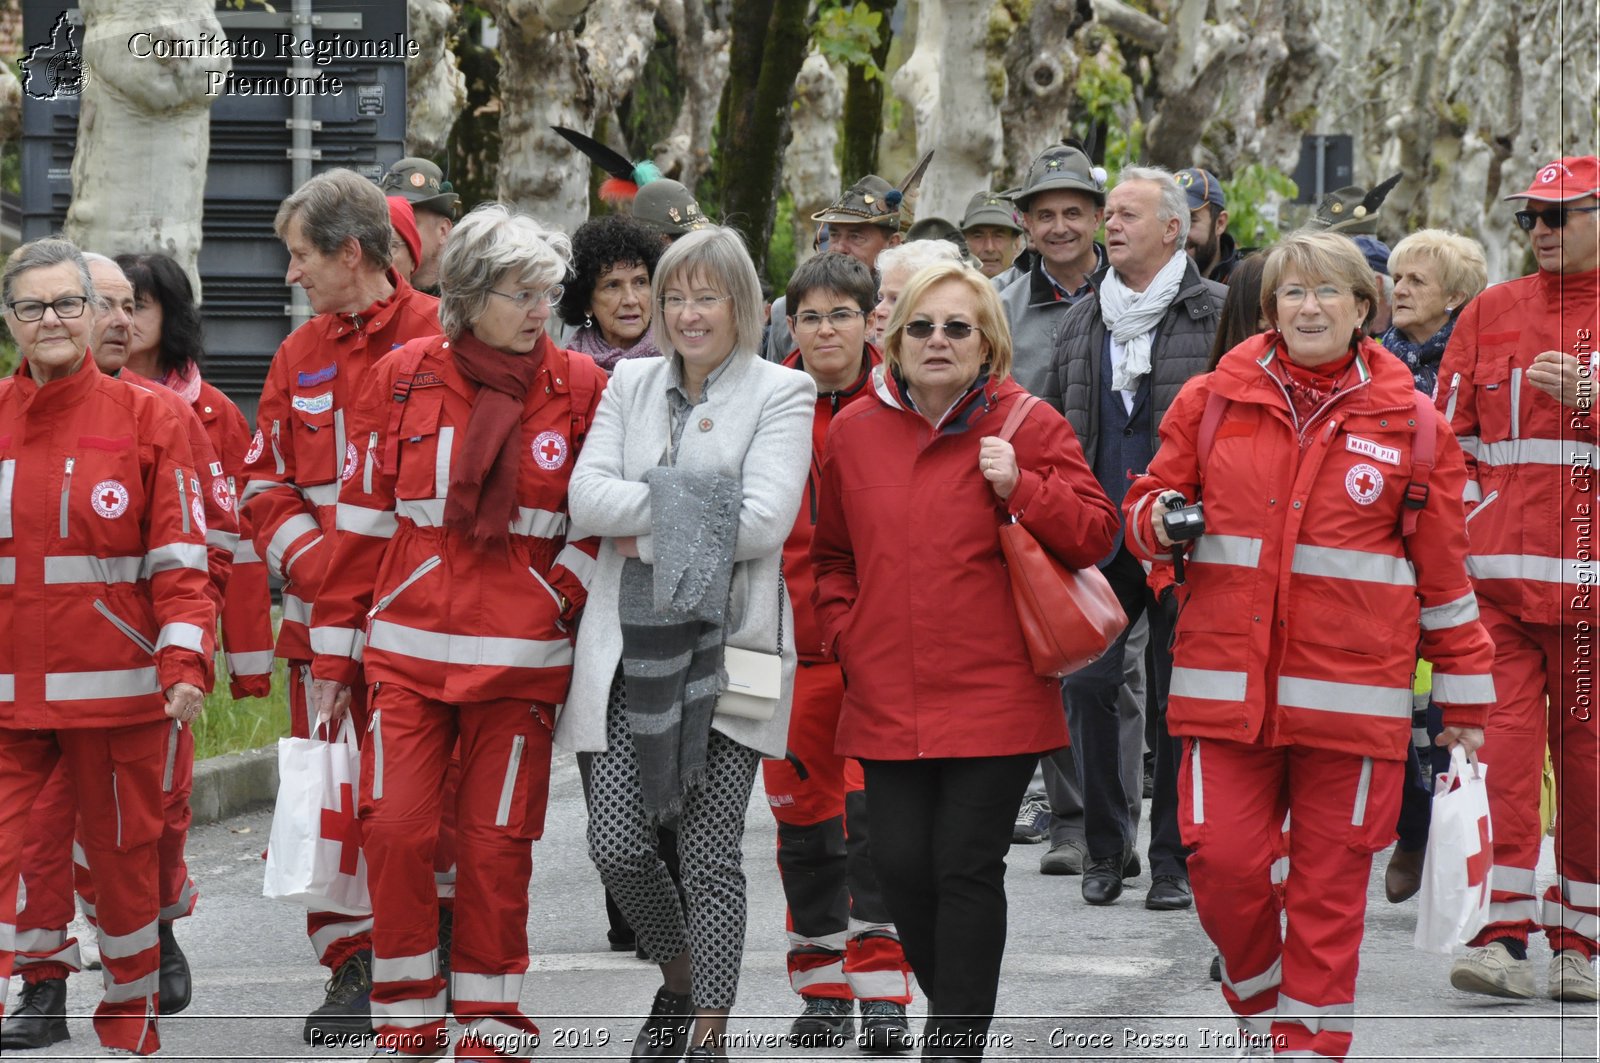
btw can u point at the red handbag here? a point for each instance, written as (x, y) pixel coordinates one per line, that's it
(1069, 617)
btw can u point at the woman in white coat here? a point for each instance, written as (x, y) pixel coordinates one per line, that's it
(692, 472)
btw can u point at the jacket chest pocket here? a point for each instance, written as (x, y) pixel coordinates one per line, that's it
(319, 438)
(422, 448)
(1497, 393)
(102, 499)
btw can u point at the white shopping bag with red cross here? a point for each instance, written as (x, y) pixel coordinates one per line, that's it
(1454, 902)
(314, 857)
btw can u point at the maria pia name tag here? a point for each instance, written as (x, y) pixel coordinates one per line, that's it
(755, 683)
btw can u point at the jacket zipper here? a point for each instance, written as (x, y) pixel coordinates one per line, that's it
(1516, 404)
(66, 494)
(277, 452)
(421, 570)
(116, 804)
(366, 472)
(376, 732)
(1197, 803)
(126, 628)
(555, 595)
(1483, 505)
(503, 815)
(1450, 406)
(183, 499)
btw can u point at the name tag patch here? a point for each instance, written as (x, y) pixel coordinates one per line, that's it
(321, 376)
(313, 403)
(1357, 445)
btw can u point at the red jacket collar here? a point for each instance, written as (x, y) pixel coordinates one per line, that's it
(58, 393)
(1242, 375)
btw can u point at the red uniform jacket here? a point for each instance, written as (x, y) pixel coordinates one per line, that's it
(808, 641)
(911, 588)
(1531, 462)
(1304, 605)
(302, 449)
(102, 545)
(414, 602)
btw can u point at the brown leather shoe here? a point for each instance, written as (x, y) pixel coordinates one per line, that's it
(1403, 877)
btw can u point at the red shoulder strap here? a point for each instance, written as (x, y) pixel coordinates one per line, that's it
(1216, 406)
(581, 389)
(1422, 456)
(1019, 413)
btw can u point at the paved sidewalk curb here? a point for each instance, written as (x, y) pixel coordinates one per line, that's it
(233, 783)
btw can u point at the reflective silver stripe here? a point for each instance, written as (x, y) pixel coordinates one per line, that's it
(8, 571)
(1363, 788)
(423, 512)
(81, 569)
(441, 462)
(1462, 610)
(172, 757)
(175, 556)
(8, 687)
(290, 530)
(125, 946)
(1463, 689)
(339, 442)
(93, 686)
(578, 563)
(277, 450)
(122, 992)
(326, 936)
(1364, 565)
(1470, 444)
(289, 562)
(449, 649)
(184, 904)
(1278, 874)
(1455, 389)
(1246, 988)
(1139, 525)
(183, 501)
(502, 815)
(1197, 786)
(1529, 451)
(1521, 910)
(296, 610)
(831, 942)
(878, 985)
(487, 988)
(375, 729)
(335, 641)
(8, 480)
(1533, 567)
(66, 496)
(1585, 924)
(321, 494)
(8, 937)
(256, 663)
(828, 974)
(1577, 893)
(1209, 684)
(409, 1014)
(1483, 505)
(134, 634)
(417, 573)
(555, 595)
(416, 968)
(184, 636)
(1227, 550)
(1354, 698)
(1472, 492)
(252, 488)
(1508, 879)
(444, 882)
(222, 540)
(378, 523)
(539, 523)
(1337, 1018)
(1516, 403)
(245, 553)
(369, 463)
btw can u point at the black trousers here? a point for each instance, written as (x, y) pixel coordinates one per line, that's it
(940, 831)
(1092, 707)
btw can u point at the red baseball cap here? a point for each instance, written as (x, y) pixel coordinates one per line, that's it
(404, 220)
(1564, 180)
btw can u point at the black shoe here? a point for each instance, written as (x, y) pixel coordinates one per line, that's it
(1169, 893)
(40, 1017)
(1102, 881)
(826, 1021)
(348, 1009)
(447, 938)
(622, 941)
(884, 1027)
(1216, 967)
(665, 1033)
(174, 978)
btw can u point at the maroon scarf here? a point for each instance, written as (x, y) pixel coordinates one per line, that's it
(482, 497)
(1311, 386)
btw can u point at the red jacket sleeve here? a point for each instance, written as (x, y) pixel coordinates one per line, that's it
(1457, 398)
(1174, 468)
(175, 545)
(287, 533)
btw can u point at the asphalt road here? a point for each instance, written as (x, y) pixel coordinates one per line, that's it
(1079, 983)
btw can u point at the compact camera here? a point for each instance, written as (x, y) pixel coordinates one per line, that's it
(1184, 523)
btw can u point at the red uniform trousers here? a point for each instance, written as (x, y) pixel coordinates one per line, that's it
(1296, 983)
(49, 854)
(841, 941)
(504, 749)
(1546, 693)
(115, 776)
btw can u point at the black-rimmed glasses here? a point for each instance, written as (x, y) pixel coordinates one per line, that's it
(65, 308)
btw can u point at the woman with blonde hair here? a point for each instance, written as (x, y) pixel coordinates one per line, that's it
(1435, 274)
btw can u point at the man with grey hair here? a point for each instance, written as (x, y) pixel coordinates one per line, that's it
(336, 228)
(1120, 358)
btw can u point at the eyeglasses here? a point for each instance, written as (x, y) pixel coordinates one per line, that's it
(1294, 294)
(810, 322)
(1553, 217)
(68, 307)
(675, 304)
(953, 330)
(527, 298)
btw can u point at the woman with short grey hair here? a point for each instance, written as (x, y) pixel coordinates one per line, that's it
(692, 473)
(456, 561)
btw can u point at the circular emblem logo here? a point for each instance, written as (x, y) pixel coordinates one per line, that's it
(1364, 482)
(258, 443)
(110, 499)
(1548, 174)
(351, 460)
(550, 450)
(418, 180)
(198, 512)
(220, 492)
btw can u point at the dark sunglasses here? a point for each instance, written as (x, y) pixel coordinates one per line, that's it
(1553, 217)
(953, 330)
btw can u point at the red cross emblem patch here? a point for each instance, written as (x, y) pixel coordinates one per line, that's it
(1364, 482)
(550, 450)
(220, 492)
(110, 499)
(258, 443)
(351, 459)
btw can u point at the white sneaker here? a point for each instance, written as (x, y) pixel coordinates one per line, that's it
(1572, 977)
(1493, 971)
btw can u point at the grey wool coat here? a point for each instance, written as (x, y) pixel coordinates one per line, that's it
(755, 424)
